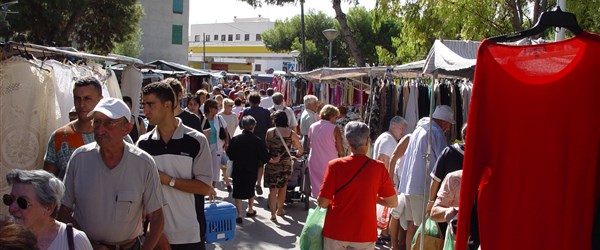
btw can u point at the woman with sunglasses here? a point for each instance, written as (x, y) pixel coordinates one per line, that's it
(34, 201)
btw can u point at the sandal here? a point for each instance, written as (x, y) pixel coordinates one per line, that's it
(274, 219)
(251, 214)
(283, 213)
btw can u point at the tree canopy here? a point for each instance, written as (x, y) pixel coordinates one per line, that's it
(371, 41)
(94, 26)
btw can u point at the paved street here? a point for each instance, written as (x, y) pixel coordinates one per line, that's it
(260, 233)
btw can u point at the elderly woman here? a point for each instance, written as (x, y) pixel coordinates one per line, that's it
(34, 201)
(352, 187)
(278, 174)
(218, 141)
(246, 151)
(326, 143)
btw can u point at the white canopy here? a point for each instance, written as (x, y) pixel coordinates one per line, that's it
(452, 57)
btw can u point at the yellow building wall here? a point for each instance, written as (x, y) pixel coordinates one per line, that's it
(231, 49)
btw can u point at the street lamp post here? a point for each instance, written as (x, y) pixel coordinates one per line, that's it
(295, 54)
(330, 34)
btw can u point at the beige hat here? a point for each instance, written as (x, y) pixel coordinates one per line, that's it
(113, 108)
(444, 112)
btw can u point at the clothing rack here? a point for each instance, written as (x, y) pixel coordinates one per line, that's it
(13, 48)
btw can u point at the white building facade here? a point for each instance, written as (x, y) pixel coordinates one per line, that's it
(235, 47)
(165, 30)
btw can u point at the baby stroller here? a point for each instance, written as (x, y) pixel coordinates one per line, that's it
(298, 187)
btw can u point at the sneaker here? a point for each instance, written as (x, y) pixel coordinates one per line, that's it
(259, 190)
(229, 189)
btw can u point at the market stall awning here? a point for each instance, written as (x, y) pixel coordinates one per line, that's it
(453, 57)
(334, 73)
(171, 66)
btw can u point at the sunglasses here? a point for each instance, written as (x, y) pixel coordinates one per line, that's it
(9, 199)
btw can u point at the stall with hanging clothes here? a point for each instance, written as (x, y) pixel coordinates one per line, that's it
(36, 95)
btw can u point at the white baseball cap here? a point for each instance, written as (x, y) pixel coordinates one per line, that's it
(444, 112)
(113, 108)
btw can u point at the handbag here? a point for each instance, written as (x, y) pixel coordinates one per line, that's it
(311, 237)
(433, 238)
(222, 133)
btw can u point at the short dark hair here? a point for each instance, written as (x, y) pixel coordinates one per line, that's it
(237, 102)
(162, 91)
(89, 81)
(175, 85)
(280, 119)
(270, 91)
(262, 92)
(254, 98)
(208, 104)
(127, 99)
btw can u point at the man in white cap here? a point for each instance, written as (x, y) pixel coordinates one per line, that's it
(110, 184)
(412, 181)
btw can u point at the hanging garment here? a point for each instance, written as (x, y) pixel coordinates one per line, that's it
(131, 85)
(533, 148)
(64, 75)
(28, 114)
(412, 112)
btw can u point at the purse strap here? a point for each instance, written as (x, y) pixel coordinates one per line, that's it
(357, 172)
(283, 141)
(70, 236)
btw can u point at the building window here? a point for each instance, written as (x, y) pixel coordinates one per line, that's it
(177, 34)
(237, 37)
(230, 37)
(258, 38)
(178, 6)
(257, 67)
(197, 38)
(216, 38)
(247, 37)
(207, 38)
(223, 38)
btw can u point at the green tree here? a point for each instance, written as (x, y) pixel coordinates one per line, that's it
(423, 21)
(132, 47)
(94, 26)
(340, 16)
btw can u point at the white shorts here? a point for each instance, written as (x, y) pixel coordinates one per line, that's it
(414, 208)
(216, 162)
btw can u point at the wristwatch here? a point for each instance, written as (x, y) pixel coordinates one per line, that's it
(172, 182)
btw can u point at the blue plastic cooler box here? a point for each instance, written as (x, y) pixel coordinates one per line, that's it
(220, 221)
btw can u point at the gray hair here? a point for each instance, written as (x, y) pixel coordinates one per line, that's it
(398, 120)
(357, 134)
(277, 98)
(308, 99)
(48, 189)
(248, 122)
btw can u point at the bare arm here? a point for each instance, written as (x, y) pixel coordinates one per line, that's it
(433, 189)
(323, 202)
(391, 201)
(386, 159)
(443, 214)
(155, 230)
(399, 151)
(339, 142)
(51, 168)
(296, 143)
(187, 185)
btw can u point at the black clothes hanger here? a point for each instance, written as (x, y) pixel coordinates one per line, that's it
(557, 18)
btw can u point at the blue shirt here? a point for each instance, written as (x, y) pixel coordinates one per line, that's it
(212, 139)
(414, 168)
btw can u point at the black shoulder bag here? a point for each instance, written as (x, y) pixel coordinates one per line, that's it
(70, 236)
(357, 172)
